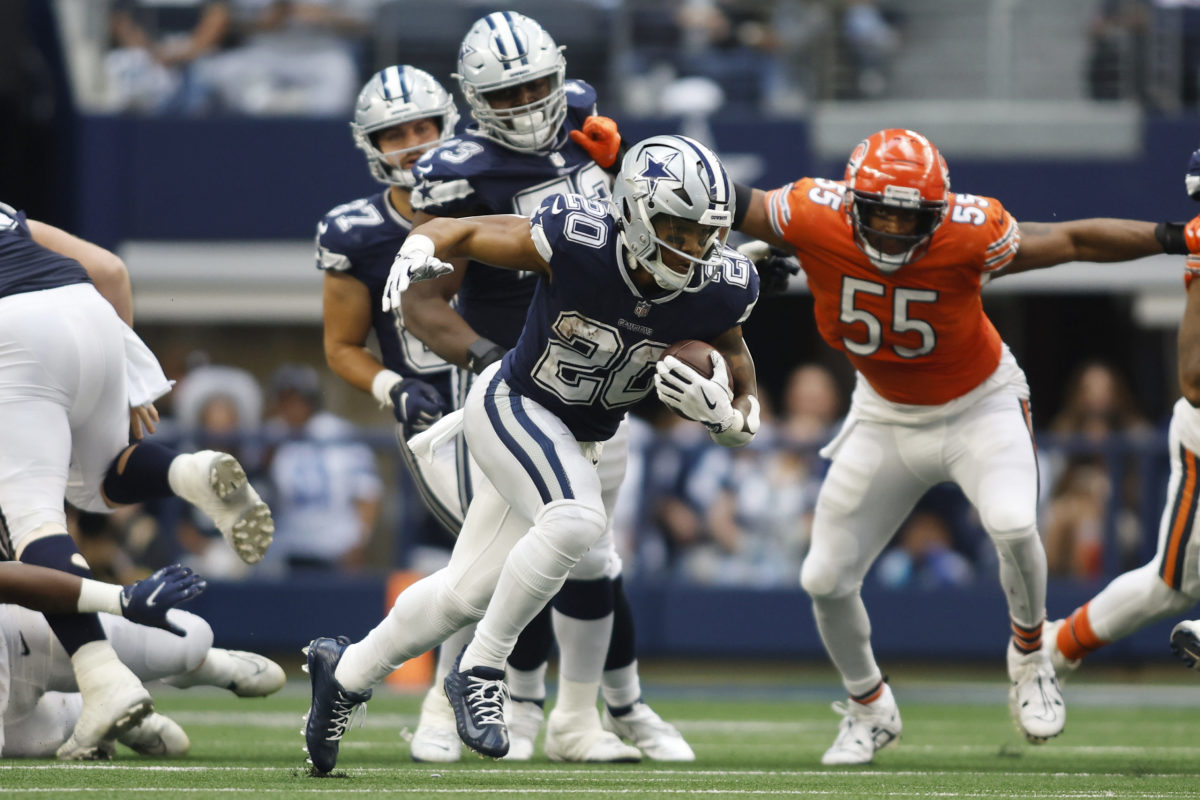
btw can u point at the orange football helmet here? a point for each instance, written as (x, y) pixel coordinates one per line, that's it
(897, 186)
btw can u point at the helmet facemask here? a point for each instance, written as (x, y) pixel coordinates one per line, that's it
(897, 186)
(893, 232)
(673, 205)
(502, 52)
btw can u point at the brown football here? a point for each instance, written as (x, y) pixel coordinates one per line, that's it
(694, 353)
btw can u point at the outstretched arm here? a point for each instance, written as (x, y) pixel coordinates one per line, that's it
(501, 240)
(1046, 244)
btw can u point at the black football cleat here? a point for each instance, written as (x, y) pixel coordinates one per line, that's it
(332, 706)
(478, 697)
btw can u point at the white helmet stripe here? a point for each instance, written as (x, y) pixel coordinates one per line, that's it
(394, 87)
(717, 178)
(507, 42)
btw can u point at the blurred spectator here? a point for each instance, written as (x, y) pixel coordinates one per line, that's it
(326, 483)
(216, 408)
(294, 57)
(1180, 18)
(1116, 67)
(1078, 473)
(812, 405)
(871, 42)
(156, 44)
(731, 43)
(924, 556)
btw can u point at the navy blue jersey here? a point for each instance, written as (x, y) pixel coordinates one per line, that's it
(360, 239)
(25, 265)
(473, 175)
(589, 346)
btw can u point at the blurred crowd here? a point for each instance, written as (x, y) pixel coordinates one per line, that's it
(689, 510)
(260, 57)
(774, 57)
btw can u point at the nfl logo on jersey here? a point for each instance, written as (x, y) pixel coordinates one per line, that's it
(641, 309)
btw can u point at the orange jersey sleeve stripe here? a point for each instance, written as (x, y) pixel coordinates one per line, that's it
(778, 211)
(1183, 517)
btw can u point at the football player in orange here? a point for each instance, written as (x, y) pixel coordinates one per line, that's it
(895, 262)
(1170, 583)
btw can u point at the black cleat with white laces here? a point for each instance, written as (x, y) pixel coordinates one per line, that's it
(332, 706)
(478, 697)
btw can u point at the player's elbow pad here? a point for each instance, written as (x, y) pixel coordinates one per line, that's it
(743, 429)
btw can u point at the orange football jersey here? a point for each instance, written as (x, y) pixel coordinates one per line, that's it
(919, 334)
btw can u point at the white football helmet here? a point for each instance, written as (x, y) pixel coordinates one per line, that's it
(673, 193)
(393, 96)
(504, 50)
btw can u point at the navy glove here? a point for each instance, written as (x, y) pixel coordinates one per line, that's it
(1192, 179)
(148, 601)
(417, 405)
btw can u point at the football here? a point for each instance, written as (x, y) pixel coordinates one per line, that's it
(694, 353)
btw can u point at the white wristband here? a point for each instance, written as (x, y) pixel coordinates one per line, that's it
(382, 385)
(95, 596)
(417, 244)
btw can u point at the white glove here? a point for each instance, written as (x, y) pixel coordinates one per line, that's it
(415, 262)
(707, 400)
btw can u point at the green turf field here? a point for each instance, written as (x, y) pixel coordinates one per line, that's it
(761, 736)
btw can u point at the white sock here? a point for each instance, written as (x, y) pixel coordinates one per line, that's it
(449, 650)
(582, 646)
(526, 684)
(577, 698)
(532, 574)
(217, 669)
(1023, 576)
(621, 687)
(846, 632)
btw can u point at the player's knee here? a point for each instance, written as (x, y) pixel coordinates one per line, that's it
(593, 566)
(1010, 521)
(1170, 601)
(570, 527)
(820, 577)
(193, 646)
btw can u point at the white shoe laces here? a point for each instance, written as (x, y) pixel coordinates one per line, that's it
(486, 699)
(345, 713)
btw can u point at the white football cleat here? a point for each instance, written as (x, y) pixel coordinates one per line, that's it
(1185, 642)
(1035, 699)
(580, 738)
(1062, 665)
(864, 729)
(254, 675)
(436, 738)
(647, 731)
(524, 721)
(216, 484)
(114, 701)
(157, 735)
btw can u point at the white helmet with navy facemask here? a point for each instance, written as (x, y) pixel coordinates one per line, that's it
(499, 53)
(673, 196)
(391, 97)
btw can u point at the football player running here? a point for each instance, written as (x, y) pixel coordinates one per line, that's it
(40, 702)
(75, 383)
(536, 134)
(1170, 583)
(895, 262)
(617, 283)
(401, 113)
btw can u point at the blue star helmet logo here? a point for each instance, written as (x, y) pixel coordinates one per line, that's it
(656, 170)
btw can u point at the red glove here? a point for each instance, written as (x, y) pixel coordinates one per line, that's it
(600, 138)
